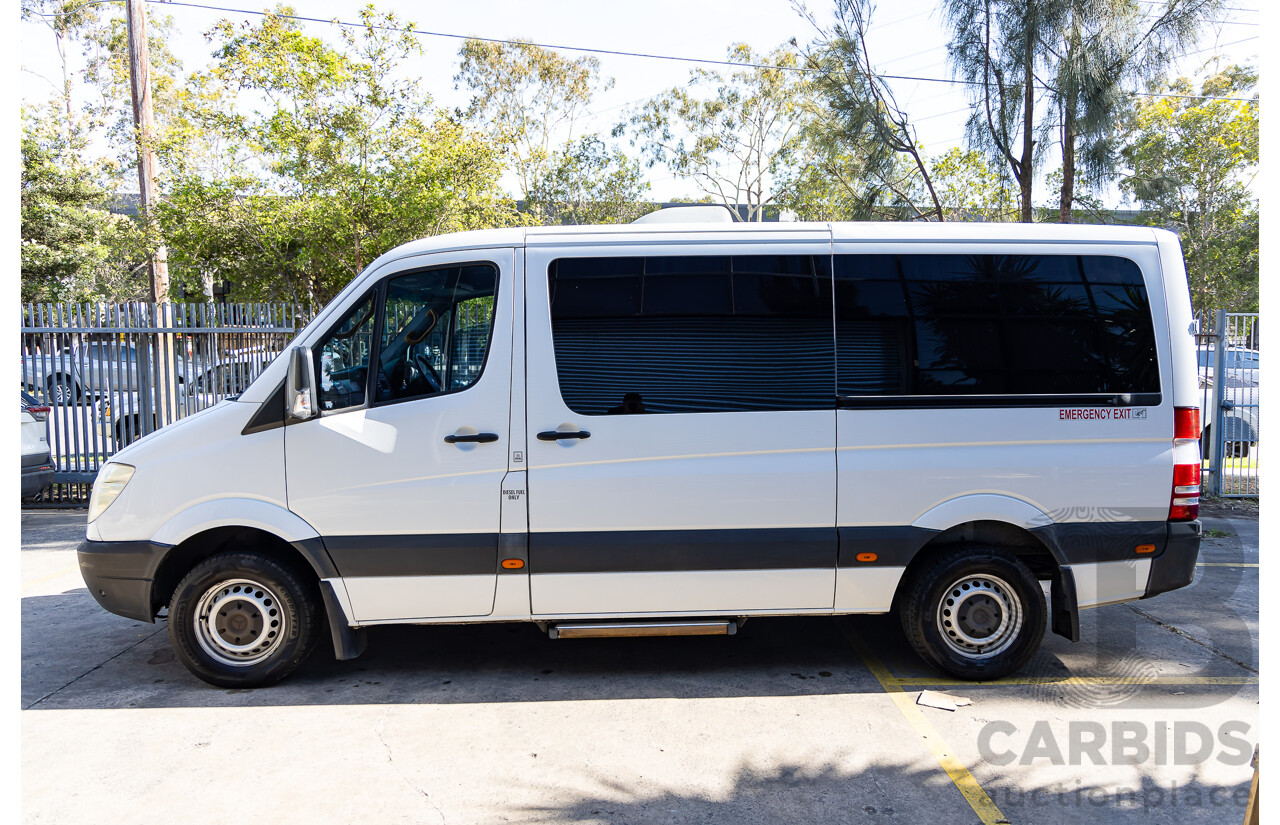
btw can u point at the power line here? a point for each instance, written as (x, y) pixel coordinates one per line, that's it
(645, 55)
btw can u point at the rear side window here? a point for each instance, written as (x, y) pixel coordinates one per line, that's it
(992, 325)
(686, 334)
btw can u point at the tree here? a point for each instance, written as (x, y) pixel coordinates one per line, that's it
(969, 188)
(1027, 62)
(73, 247)
(527, 98)
(1192, 162)
(734, 140)
(67, 20)
(588, 184)
(859, 138)
(1096, 49)
(315, 159)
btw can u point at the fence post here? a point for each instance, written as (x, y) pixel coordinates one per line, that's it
(1219, 384)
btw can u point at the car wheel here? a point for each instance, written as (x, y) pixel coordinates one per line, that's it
(243, 620)
(977, 613)
(61, 390)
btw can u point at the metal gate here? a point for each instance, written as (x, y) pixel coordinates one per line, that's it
(113, 373)
(1228, 353)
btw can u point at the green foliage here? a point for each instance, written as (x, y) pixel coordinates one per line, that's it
(730, 133)
(1192, 163)
(588, 184)
(73, 248)
(526, 98)
(1058, 69)
(314, 160)
(861, 157)
(971, 189)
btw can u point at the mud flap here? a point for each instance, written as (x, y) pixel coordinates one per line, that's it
(348, 642)
(1063, 608)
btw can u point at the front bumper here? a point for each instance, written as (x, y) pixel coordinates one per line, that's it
(1176, 566)
(120, 575)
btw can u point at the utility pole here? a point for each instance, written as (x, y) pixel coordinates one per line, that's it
(159, 399)
(144, 123)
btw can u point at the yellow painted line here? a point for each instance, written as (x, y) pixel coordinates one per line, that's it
(64, 571)
(960, 776)
(1162, 681)
(1223, 564)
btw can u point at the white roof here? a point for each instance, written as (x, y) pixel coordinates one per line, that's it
(924, 232)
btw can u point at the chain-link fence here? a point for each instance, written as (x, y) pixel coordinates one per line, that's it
(1227, 349)
(112, 373)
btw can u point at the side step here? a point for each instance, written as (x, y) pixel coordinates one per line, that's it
(597, 630)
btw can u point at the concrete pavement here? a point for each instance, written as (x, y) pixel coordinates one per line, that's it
(793, 719)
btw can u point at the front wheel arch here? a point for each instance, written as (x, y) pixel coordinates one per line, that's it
(182, 558)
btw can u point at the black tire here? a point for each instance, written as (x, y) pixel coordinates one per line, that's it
(954, 599)
(60, 390)
(128, 430)
(249, 587)
(1237, 449)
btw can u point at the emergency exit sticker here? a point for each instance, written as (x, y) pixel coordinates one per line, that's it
(1101, 414)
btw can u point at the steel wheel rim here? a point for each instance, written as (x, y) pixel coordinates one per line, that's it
(59, 394)
(240, 622)
(979, 616)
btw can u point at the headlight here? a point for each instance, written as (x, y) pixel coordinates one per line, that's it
(107, 486)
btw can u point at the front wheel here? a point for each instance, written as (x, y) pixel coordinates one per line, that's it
(977, 613)
(242, 620)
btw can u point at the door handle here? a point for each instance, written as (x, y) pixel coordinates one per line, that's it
(478, 438)
(556, 435)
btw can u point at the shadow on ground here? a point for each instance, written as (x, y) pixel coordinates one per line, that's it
(891, 792)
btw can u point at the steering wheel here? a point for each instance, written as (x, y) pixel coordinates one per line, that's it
(428, 372)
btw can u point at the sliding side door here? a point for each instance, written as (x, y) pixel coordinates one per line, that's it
(681, 424)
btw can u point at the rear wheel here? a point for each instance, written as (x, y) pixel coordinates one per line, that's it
(243, 620)
(61, 390)
(977, 613)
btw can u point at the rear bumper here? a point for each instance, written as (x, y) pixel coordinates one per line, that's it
(37, 474)
(1176, 566)
(120, 574)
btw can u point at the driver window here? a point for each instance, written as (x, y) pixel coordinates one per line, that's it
(344, 359)
(435, 331)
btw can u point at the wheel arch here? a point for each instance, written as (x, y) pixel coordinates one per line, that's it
(308, 558)
(223, 524)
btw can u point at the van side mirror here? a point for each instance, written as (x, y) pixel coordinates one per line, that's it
(300, 392)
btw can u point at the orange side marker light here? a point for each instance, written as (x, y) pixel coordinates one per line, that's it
(1145, 548)
(866, 557)
(512, 564)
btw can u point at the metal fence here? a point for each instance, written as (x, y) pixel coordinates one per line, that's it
(114, 372)
(1228, 351)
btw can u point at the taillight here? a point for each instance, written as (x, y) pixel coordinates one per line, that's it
(1184, 504)
(39, 413)
(1186, 423)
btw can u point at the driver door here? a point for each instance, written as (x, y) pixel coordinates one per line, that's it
(401, 472)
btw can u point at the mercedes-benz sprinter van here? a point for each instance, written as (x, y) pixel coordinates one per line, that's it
(666, 429)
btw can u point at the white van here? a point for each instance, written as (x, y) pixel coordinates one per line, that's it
(667, 429)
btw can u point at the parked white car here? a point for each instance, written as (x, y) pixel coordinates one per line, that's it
(37, 464)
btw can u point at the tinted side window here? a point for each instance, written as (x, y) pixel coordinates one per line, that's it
(693, 333)
(435, 331)
(918, 325)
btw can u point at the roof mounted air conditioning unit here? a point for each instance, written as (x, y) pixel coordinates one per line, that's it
(693, 213)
